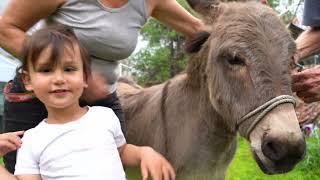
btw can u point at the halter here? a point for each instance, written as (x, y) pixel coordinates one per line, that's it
(263, 110)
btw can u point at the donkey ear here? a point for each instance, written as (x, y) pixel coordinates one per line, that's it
(209, 9)
(195, 43)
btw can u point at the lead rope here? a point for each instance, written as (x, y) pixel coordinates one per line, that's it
(265, 108)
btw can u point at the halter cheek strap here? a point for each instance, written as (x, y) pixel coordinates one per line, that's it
(263, 110)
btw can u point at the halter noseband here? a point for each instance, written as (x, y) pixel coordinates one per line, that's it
(263, 110)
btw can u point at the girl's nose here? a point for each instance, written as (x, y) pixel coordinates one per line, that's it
(59, 77)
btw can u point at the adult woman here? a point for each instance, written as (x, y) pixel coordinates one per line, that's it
(107, 28)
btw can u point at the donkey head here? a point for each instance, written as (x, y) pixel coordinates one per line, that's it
(243, 62)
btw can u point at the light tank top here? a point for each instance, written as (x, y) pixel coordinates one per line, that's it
(109, 34)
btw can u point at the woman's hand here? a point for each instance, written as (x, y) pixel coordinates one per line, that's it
(10, 142)
(307, 84)
(155, 165)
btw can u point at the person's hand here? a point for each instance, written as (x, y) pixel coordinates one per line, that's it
(307, 84)
(10, 142)
(155, 165)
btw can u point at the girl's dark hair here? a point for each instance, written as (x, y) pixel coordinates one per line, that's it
(57, 37)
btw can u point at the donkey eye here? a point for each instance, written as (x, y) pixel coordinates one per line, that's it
(235, 61)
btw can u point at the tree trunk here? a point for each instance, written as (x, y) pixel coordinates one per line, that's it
(176, 55)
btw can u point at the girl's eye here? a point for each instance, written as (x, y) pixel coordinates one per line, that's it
(70, 69)
(45, 70)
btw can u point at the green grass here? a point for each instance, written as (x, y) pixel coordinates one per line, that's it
(133, 174)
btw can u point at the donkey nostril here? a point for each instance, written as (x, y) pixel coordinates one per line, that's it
(283, 152)
(272, 149)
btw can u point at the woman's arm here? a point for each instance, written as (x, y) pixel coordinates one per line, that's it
(308, 43)
(18, 17)
(151, 162)
(171, 13)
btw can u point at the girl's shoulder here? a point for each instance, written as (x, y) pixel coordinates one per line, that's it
(102, 115)
(100, 110)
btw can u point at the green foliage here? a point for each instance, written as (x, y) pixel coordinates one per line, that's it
(152, 65)
(273, 3)
(158, 61)
(163, 56)
(157, 34)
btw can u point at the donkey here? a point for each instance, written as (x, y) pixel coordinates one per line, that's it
(237, 80)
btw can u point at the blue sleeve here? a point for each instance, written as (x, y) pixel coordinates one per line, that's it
(311, 13)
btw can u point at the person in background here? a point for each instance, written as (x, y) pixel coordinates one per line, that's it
(306, 83)
(73, 142)
(107, 28)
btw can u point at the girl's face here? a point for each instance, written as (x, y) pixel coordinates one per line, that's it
(58, 86)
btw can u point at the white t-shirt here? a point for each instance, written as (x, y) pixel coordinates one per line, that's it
(85, 149)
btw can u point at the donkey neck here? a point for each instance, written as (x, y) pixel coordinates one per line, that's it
(199, 122)
(196, 69)
(195, 96)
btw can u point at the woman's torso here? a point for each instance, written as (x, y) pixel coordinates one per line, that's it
(109, 34)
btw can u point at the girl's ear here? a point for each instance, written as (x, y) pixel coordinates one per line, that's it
(26, 80)
(85, 84)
